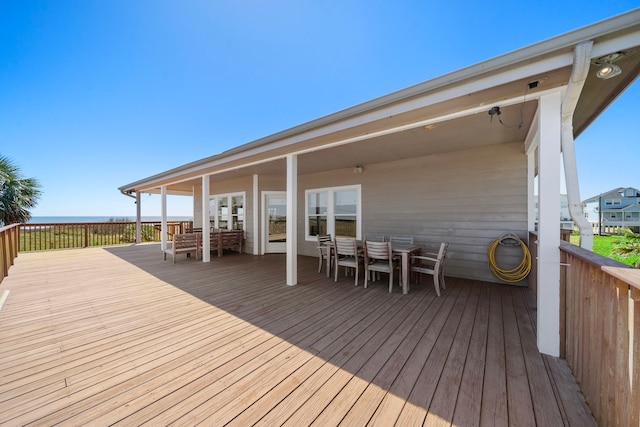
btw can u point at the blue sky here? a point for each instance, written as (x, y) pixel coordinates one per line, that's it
(98, 94)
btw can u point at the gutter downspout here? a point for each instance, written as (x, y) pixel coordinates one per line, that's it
(581, 62)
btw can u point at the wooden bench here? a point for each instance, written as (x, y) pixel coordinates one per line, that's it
(231, 240)
(218, 241)
(221, 240)
(184, 244)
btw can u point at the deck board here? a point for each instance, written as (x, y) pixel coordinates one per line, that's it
(104, 336)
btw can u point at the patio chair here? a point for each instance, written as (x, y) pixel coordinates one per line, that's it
(346, 254)
(379, 258)
(324, 249)
(433, 264)
(374, 238)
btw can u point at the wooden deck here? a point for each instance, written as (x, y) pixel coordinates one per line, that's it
(117, 336)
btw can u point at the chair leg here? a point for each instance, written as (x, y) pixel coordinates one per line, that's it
(320, 261)
(366, 277)
(436, 284)
(357, 274)
(391, 281)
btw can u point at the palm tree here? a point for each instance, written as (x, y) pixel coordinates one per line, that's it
(628, 246)
(17, 194)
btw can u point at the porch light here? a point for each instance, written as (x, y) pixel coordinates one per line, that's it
(606, 67)
(606, 71)
(358, 169)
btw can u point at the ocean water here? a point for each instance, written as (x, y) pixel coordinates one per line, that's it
(82, 219)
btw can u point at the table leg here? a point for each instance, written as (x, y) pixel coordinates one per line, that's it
(328, 261)
(405, 272)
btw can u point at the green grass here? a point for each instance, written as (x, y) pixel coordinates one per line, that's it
(603, 245)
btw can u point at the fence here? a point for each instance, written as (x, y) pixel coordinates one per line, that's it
(38, 237)
(600, 331)
(9, 236)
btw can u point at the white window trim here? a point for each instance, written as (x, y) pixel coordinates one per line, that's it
(331, 209)
(214, 208)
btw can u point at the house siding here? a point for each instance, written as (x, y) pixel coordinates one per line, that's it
(483, 196)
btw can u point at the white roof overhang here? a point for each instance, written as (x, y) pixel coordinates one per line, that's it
(393, 126)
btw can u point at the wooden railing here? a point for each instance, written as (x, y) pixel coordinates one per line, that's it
(9, 236)
(38, 237)
(601, 301)
(600, 331)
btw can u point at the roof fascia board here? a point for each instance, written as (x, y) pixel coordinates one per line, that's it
(434, 89)
(564, 42)
(427, 100)
(606, 47)
(451, 116)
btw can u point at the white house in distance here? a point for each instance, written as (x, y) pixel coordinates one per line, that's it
(616, 209)
(430, 162)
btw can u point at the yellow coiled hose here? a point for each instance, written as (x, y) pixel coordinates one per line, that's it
(515, 274)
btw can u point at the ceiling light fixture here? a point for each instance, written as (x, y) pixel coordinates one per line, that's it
(606, 71)
(606, 67)
(358, 169)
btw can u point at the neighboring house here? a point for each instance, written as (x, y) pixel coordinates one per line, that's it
(566, 223)
(616, 209)
(430, 161)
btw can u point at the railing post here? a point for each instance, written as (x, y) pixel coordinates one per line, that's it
(86, 235)
(8, 248)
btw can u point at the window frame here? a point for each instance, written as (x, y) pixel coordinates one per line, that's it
(331, 215)
(213, 209)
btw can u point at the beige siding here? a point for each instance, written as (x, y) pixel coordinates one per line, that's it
(197, 206)
(466, 198)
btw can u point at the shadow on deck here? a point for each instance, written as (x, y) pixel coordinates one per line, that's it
(115, 335)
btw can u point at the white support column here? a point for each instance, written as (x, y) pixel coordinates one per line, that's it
(163, 217)
(206, 230)
(256, 216)
(549, 225)
(138, 218)
(531, 196)
(292, 219)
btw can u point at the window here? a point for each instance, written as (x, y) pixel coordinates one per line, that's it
(334, 211)
(227, 211)
(612, 202)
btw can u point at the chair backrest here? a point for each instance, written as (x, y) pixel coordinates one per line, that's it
(374, 238)
(324, 239)
(377, 250)
(345, 246)
(442, 253)
(401, 239)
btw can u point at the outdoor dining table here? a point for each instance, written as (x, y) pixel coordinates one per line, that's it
(403, 249)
